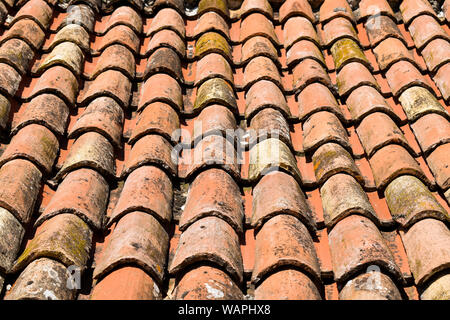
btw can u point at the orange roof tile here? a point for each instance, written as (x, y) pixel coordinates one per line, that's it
(263, 149)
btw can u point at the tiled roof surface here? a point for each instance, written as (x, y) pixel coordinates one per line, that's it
(336, 186)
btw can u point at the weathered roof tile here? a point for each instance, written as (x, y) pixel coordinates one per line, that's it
(137, 239)
(284, 241)
(213, 193)
(210, 239)
(270, 199)
(355, 244)
(251, 138)
(207, 283)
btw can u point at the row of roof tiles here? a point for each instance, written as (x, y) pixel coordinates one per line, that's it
(291, 254)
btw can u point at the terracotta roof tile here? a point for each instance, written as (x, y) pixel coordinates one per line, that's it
(211, 21)
(11, 233)
(345, 51)
(137, 239)
(167, 18)
(110, 83)
(207, 283)
(35, 143)
(390, 51)
(409, 201)
(157, 117)
(336, 29)
(424, 28)
(43, 271)
(219, 6)
(413, 8)
(263, 94)
(366, 100)
(195, 151)
(115, 57)
(309, 71)
(23, 179)
(26, 30)
(287, 284)
(119, 34)
(373, 7)
(270, 154)
(258, 46)
(66, 54)
(90, 150)
(296, 8)
(127, 16)
(126, 283)
(437, 290)
(9, 54)
(212, 151)
(150, 149)
(438, 163)
(377, 130)
(102, 115)
(323, 127)
(59, 81)
(304, 49)
(210, 239)
(164, 60)
(211, 66)
(251, 6)
(431, 130)
(261, 68)
(167, 38)
(343, 196)
(89, 189)
(441, 79)
(392, 161)
(353, 76)
(80, 15)
(403, 75)
(380, 28)
(418, 101)
(355, 244)
(215, 90)
(210, 42)
(423, 244)
(257, 24)
(64, 238)
(213, 193)
(215, 119)
(332, 9)
(293, 248)
(47, 110)
(155, 195)
(269, 122)
(71, 33)
(436, 54)
(269, 200)
(161, 88)
(298, 28)
(317, 97)
(37, 10)
(9, 79)
(332, 158)
(360, 288)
